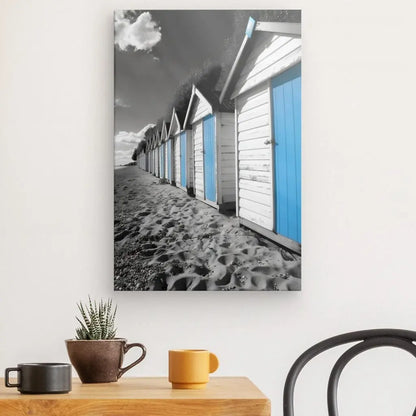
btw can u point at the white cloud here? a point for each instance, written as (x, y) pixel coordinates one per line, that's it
(126, 142)
(142, 34)
(119, 103)
(132, 137)
(122, 157)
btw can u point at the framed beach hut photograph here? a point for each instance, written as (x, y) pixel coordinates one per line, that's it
(207, 150)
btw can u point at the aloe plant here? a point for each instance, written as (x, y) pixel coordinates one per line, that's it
(97, 320)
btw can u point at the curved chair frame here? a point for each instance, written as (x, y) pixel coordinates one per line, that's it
(370, 339)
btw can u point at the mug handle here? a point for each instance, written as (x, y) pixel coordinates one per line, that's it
(121, 371)
(6, 376)
(213, 362)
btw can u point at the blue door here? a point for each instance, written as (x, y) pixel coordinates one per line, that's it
(162, 161)
(169, 156)
(286, 93)
(209, 158)
(183, 159)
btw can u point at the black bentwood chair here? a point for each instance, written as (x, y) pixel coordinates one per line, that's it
(367, 340)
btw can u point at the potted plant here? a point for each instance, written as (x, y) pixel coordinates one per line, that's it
(96, 354)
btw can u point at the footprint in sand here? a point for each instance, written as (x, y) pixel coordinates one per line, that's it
(225, 281)
(295, 271)
(143, 214)
(265, 270)
(162, 258)
(148, 253)
(224, 245)
(201, 270)
(250, 251)
(173, 268)
(148, 246)
(226, 259)
(182, 255)
(159, 281)
(293, 283)
(287, 255)
(259, 282)
(120, 236)
(198, 285)
(175, 283)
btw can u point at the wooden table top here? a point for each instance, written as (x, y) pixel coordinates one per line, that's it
(230, 396)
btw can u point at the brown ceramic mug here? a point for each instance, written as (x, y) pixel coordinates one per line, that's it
(100, 361)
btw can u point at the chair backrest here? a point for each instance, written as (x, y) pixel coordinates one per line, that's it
(367, 340)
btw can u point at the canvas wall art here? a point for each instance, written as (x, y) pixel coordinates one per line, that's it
(207, 172)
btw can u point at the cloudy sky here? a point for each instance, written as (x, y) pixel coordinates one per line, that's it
(155, 51)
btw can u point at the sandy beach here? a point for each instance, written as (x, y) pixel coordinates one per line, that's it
(167, 240)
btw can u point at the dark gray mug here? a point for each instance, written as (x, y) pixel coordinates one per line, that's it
(41, 378)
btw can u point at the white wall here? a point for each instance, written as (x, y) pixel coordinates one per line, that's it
(359, 203)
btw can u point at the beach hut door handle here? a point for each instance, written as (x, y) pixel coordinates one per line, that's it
(268, 141)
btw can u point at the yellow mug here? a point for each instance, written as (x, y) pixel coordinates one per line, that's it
(190, 369)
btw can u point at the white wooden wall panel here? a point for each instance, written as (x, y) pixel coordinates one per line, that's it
(177, 164)
(227, 156)
(198, 160)
(200, 109)
(157, 161)
(166, 159)
(175, 128)
(190, 159)
(271, 55)
(253, 155)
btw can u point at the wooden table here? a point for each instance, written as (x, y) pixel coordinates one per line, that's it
(223, 396)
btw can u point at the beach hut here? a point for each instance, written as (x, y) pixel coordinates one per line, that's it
(265, 82)
(213, 148)
(167, 152)
(150, 144)
(182, 160)
(149, 136)
(146, 157)
(141, 160)
(141, 155)
(155, 166)
(157, 153)
(153, 154)
(162, 152)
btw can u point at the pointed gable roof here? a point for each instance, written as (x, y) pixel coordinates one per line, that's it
(203, 103)
(256, 36)
(175, 125)
(152, 140)
(165, 130)
(157, 137)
